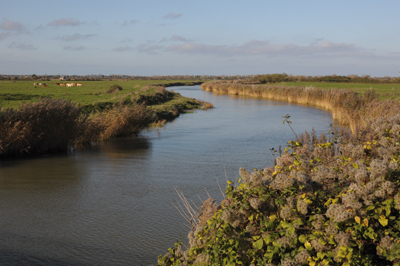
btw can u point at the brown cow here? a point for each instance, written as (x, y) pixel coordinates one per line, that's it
(57, 83)
(62, 84)
(44, 85)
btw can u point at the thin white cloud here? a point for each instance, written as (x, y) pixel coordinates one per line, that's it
(11, 25)
(172, 15)
(176, 38)
(21, 46)
(130, 22)
(123, 49)
(149, 48)
(74, 48)
(75, 37)
(65, 22)
(255, 47)
(4, 35)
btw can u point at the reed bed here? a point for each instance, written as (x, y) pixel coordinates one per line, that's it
(46, 126)
(52, 125)
(118, 122)
(347, 106)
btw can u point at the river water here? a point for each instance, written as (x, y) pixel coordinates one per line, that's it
(113, 203)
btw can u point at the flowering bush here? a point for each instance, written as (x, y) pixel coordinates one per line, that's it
(332, 201)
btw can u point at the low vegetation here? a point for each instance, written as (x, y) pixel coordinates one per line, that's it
(329, 200)
(274, 78)
(347, 106)
(47, 124)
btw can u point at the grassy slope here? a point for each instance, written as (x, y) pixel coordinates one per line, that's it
(13, 93)
(385, 91)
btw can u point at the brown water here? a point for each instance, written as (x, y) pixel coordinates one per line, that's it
(112, 204)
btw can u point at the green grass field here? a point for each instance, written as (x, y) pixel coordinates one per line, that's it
(385, 91)
(92, 92)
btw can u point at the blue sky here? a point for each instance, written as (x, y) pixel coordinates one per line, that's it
(183, 37)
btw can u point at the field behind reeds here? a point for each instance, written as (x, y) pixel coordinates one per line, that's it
(385, 91)
(92, 92)
(39, 120)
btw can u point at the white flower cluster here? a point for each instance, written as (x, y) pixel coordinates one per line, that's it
(302, 257)
(350, 200)
(331, 229)
(353, 151)
(386, 243)
(232, 217)
(321, 174)
(282, 181)
(341, 239)
(397, 201)
(319, 221)
(318, 246)
(251, 229)
(302, 207)
(288, 262)
(338, 213)
(300, 177)
(255, 179)
(286, 213)
(255, 203)
(284, 242)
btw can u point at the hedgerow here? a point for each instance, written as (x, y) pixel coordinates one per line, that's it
(328, 201)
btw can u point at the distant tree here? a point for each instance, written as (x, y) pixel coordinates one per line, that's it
(34, 77)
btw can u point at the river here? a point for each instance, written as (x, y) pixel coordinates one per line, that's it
(113, 203)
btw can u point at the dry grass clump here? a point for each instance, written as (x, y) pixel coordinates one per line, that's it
(117, 122)
(114, 89)
(46, 126)
(207, 105)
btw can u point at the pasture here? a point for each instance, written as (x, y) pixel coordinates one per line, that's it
(12, 93)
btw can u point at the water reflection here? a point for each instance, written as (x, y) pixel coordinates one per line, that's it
(112, 203)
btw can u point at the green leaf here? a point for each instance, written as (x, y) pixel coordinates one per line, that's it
(383, 221)
(259, 244)
(302, 238)
(291, 230)
(322, 241)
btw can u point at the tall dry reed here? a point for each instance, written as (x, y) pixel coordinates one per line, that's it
(347, 106)
(46, 126)
(119, 121)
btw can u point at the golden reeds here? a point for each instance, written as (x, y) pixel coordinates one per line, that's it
(46, 126)
(347, 106)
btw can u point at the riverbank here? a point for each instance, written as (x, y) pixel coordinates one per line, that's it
(52, 125)
(347, 106)
(330, 200)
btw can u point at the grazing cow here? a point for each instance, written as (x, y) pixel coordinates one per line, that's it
(35, 84)
(79, 84)
(69, 85)
(44, 85)
(62, 84)
(40, 84)
(74, 84)
(57, 83)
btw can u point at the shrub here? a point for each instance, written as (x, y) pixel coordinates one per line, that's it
(332, 201)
